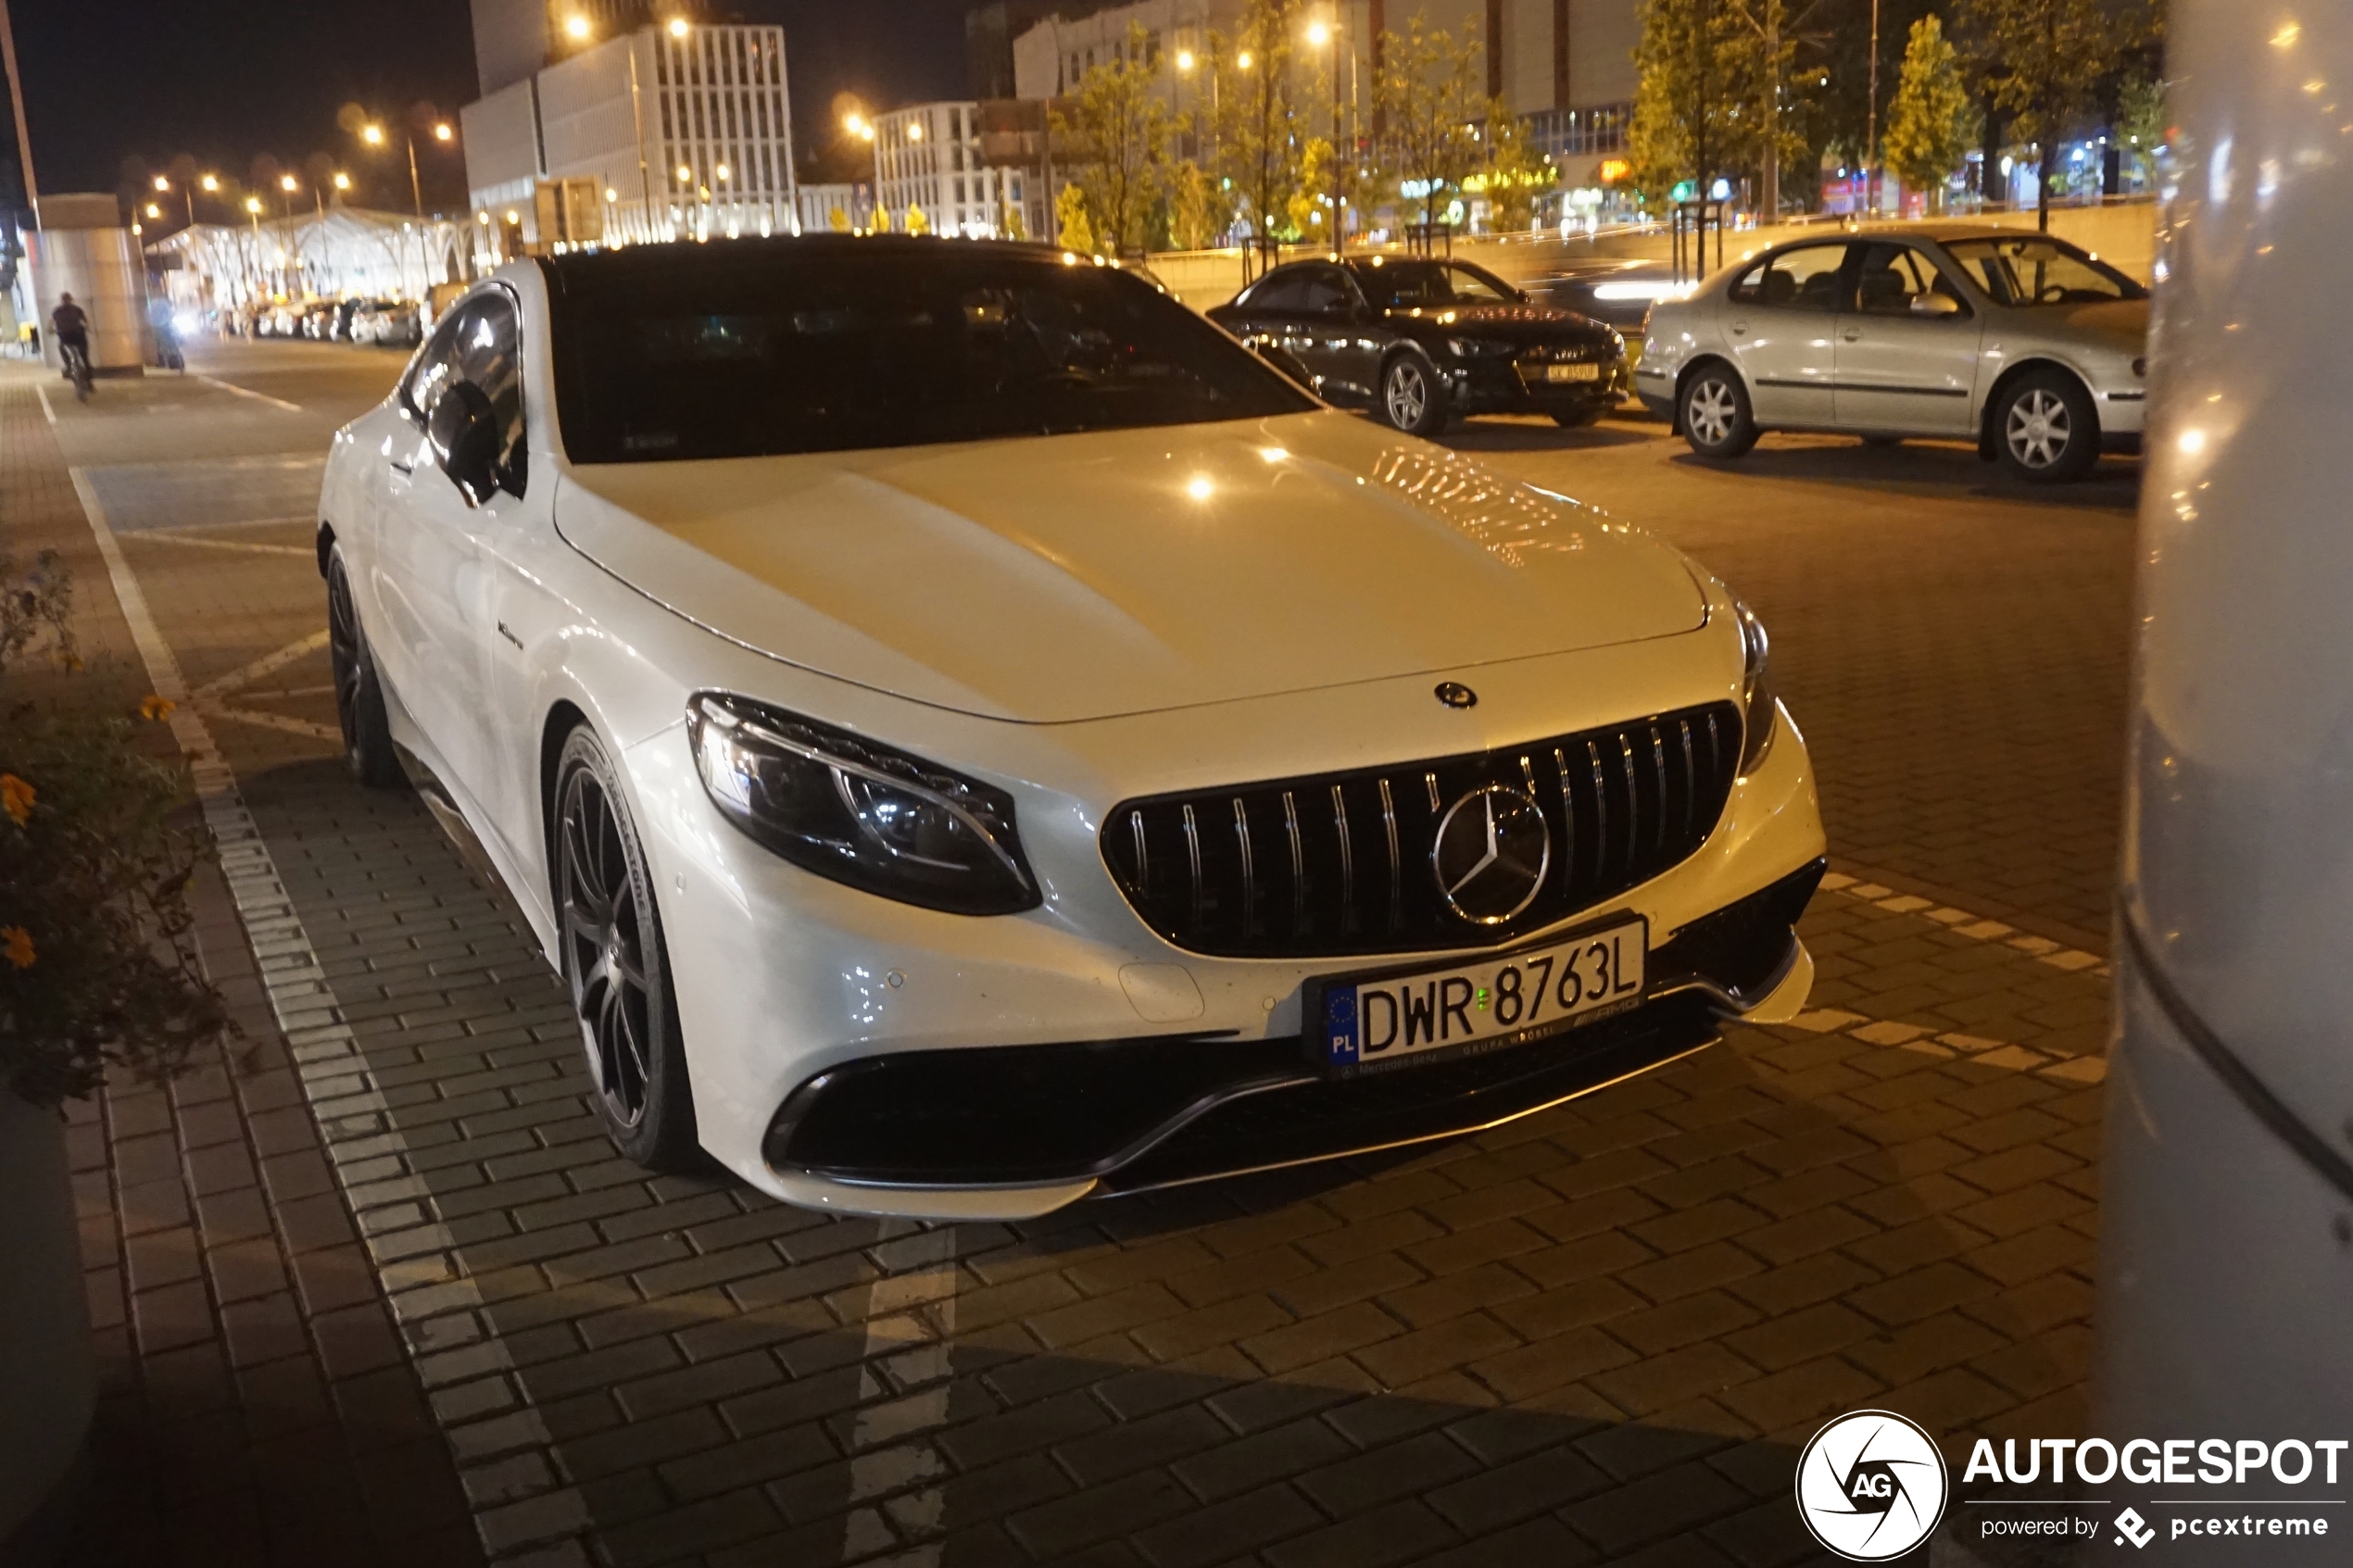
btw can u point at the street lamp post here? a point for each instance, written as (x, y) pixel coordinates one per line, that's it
(374, 135)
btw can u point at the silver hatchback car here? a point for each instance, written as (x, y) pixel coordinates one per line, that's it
(2017, 340)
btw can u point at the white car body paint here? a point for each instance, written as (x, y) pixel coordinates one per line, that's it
(1077, 627)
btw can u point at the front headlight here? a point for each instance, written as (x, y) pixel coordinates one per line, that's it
(1756, 689)
(1476, 348)
(860, 813)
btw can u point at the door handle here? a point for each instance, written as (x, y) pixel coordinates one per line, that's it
(401, 469)
(1740, 329)
(1854, 336)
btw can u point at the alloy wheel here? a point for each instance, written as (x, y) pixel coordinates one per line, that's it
(1710, 413)
(604, 946)
(343, 650)
(2037, 427)
(1406, 394)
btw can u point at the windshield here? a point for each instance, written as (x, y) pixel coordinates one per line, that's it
(2033, 270)
(1401, 285)
(758, 349)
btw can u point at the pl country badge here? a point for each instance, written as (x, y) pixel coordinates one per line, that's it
(1872, 1485)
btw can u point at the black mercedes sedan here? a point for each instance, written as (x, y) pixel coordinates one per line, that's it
(1419, 342)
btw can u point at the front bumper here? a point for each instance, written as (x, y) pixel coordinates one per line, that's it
(784, 977)
(1479, 387)
(1124, 1115)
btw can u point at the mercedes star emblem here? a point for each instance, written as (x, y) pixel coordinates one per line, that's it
(1453, 693)
(1491, 851)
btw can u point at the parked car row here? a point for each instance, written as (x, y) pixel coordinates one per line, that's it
(2029, 345)
(394, 323)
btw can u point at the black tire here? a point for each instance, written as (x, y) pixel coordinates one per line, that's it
(1411, 397)
(1581, 419)
(359, 698)
(2045, 427)
(615, 963)
(1715, 413)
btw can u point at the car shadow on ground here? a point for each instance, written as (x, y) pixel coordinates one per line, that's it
(1920, 467)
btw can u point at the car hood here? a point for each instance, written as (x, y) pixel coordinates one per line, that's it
(1072, 577)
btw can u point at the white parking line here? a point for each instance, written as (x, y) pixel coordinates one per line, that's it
(248, 392)
(267, 664)
(894, 1469)
(171, 536)
(1963, 923)
(300, 999)
(46, 412)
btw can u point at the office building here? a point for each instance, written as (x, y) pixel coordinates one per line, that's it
(927, 156)
(679, 131)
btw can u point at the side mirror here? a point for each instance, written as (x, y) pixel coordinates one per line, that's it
(465, 434)
(1935, 304)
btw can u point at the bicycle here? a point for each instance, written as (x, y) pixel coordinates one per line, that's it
(76, 367)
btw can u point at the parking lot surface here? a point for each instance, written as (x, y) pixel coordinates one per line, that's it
(1595, 1335)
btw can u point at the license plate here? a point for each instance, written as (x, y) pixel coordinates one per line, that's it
(1572, 373)
(1371, 1022)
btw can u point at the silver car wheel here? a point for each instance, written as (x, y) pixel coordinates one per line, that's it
(1711, 412)
(2037, 428)
(1405, 393)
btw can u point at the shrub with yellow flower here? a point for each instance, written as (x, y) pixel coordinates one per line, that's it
(98, 964)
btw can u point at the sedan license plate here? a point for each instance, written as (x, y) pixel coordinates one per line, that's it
(1507, 999)
(1572, 373)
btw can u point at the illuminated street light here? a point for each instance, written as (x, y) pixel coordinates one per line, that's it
(441, 133)
(211, 184)
(1183, 59)
(253, 204)
(915, 132)
(154, 211)
(678, 28)
(1242, 59)
(162, 183)
(286, 183)
(685, 175)
(722, 172)
(1318, 34)
(343, 181)
(372, 134)
(576, 27)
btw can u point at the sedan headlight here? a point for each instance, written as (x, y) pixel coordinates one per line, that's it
(860, 813)
(1476, 348)
(1756, 689)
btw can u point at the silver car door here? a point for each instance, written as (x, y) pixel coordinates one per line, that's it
(1781, 319)
(1907, 352)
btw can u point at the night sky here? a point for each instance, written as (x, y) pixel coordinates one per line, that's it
(225, 81)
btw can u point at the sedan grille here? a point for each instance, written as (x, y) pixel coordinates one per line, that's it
(1342, 863)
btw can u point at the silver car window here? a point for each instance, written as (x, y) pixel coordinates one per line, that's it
(1804, 278)
(1892, 277)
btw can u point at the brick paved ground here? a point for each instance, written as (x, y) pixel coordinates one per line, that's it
(1594, 1336)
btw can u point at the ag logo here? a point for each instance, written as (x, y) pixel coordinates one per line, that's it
(1872, 1485)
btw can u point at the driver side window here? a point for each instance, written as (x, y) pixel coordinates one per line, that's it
(1804, 278)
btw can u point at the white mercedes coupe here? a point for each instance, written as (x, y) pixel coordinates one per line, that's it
(971, 735)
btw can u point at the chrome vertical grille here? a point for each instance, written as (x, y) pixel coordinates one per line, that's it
(1340, 863)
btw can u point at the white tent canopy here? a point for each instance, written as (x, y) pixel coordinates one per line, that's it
(342, 253)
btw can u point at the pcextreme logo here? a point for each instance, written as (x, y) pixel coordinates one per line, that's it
(1872, 1485)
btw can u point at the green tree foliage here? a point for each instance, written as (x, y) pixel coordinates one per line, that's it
(1312, 206)
(1198, 211)
(1514, 173)
(1259, 123)
(918, 221)
(1015, 226)
(1930, 120)
(1073, 229)
(2140, 120)
(1117, 136)
(2043, 61)
(1695, 110)
(1424, 98)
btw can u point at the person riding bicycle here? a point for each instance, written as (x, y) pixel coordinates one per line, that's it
(72, 326)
